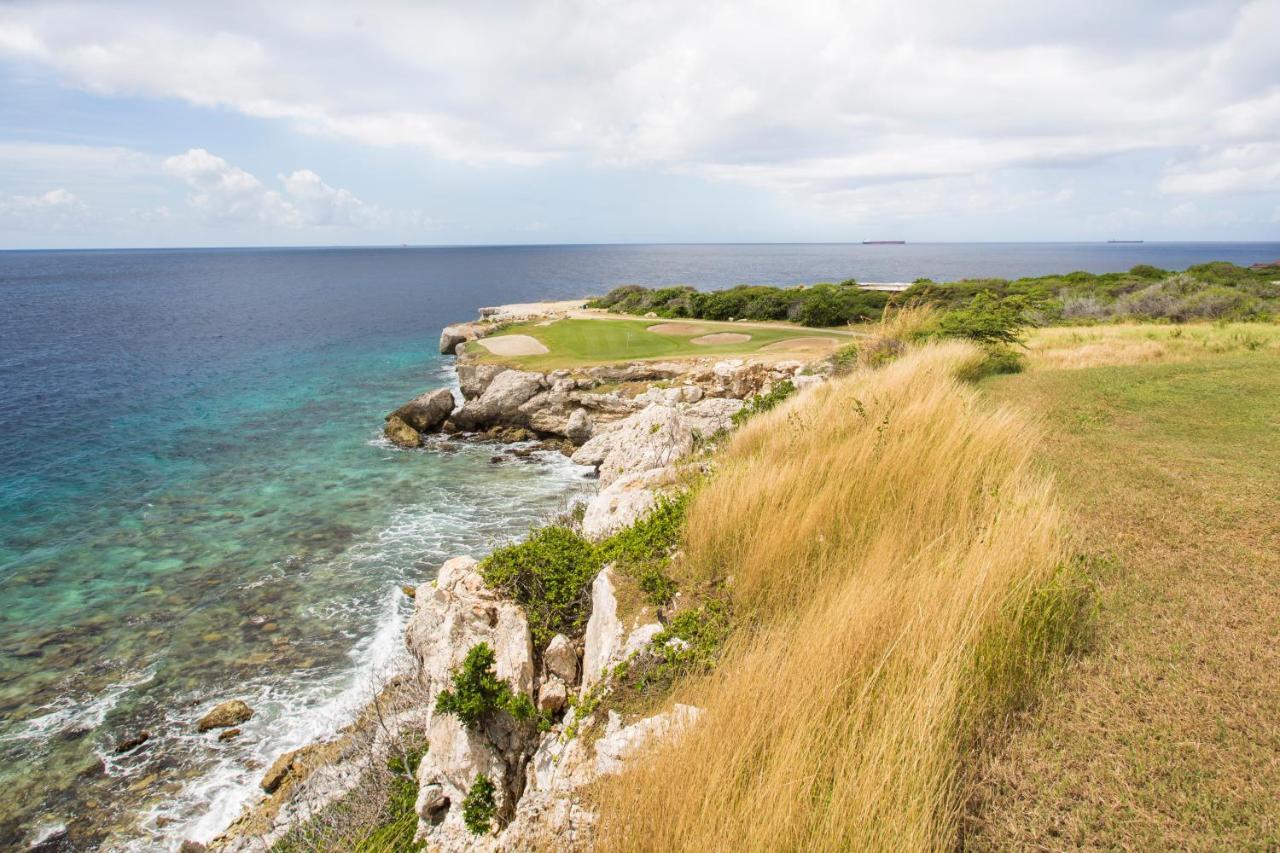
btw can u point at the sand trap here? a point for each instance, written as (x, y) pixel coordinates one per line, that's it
(682, 330)
(802, 345)
(513, 345)
(721, 338)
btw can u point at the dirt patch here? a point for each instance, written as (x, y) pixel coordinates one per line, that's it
(679, 330)
(721, 338)
(513, 345)
(803, 346)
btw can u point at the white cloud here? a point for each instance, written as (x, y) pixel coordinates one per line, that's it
(55, 210)
(1249, 168)
(223, 192)
(814, 99)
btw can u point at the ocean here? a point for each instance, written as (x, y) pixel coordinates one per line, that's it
(197, 505)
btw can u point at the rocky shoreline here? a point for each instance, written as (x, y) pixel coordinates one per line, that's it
(634, 423)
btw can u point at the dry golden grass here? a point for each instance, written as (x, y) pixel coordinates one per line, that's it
(895, 564)
(1071, 348)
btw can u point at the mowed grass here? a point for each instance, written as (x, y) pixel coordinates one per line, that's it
(1168, 736)
(894, 563)
(582, 342)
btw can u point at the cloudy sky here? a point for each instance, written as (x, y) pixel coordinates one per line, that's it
(307, 123)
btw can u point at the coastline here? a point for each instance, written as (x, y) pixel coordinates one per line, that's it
(634, 422)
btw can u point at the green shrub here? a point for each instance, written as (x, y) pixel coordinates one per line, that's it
(477, 691)
(764, 402)
(845, 359)
(649, 538)
(690, 643)
(479, 807)
(657, 586)
(549, 575)
(987, 319)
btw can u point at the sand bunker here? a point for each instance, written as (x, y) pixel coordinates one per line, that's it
(721, 338)
(802, 345)
(681, 330)
(513, 345)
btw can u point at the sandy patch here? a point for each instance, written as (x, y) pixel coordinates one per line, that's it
(513, 345)
(810, 346)
(721, 338)
(681, 330)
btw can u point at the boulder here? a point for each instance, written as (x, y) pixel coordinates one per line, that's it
(426, 412)
(579, 427)
(131, 742)
(560, 659)
(473, 379)
(225, 715)
(401, 434)
(552, 695)
(228, 734)
(604, 630)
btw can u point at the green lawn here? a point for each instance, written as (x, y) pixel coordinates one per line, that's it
(580, 342)
(1167, 736)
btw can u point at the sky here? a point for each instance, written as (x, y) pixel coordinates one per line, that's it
(310, 123)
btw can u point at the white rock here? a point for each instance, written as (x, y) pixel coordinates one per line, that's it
(710, 415)
(803, 381)
(579, 427)
(624, 501)
(561, 659)
(552, 695)
(604, 630)
(459, 613)
(652, 438)
(639, 639)
(619, 743)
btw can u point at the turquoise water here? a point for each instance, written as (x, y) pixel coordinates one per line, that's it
(196, 505)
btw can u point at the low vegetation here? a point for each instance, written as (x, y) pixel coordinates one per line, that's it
(892, 585)
(815, 305)
(1214, 291)
(479, 807)
(477, 692)
(550, 572)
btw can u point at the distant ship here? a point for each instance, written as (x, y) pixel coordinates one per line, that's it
(883, 242)
(1124, 241)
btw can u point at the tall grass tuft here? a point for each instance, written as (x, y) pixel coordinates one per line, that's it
(895, 566)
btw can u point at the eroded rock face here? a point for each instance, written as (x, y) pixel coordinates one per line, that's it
(604, 630)
(459, 613)
(426, 412)
(457, 333)
(653, 438)
(621, 742)
(225, 715)
(473, 379)
(500, 403)
(624, 501)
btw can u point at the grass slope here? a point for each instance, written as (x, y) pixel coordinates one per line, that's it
(894, 565)
(583, 342)
(1168, 737)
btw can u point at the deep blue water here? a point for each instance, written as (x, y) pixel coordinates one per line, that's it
(195, 505)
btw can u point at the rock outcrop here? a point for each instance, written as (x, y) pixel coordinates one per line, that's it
(426, 412)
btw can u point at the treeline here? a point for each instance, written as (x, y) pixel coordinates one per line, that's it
(814, 305)
(1215, 291)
